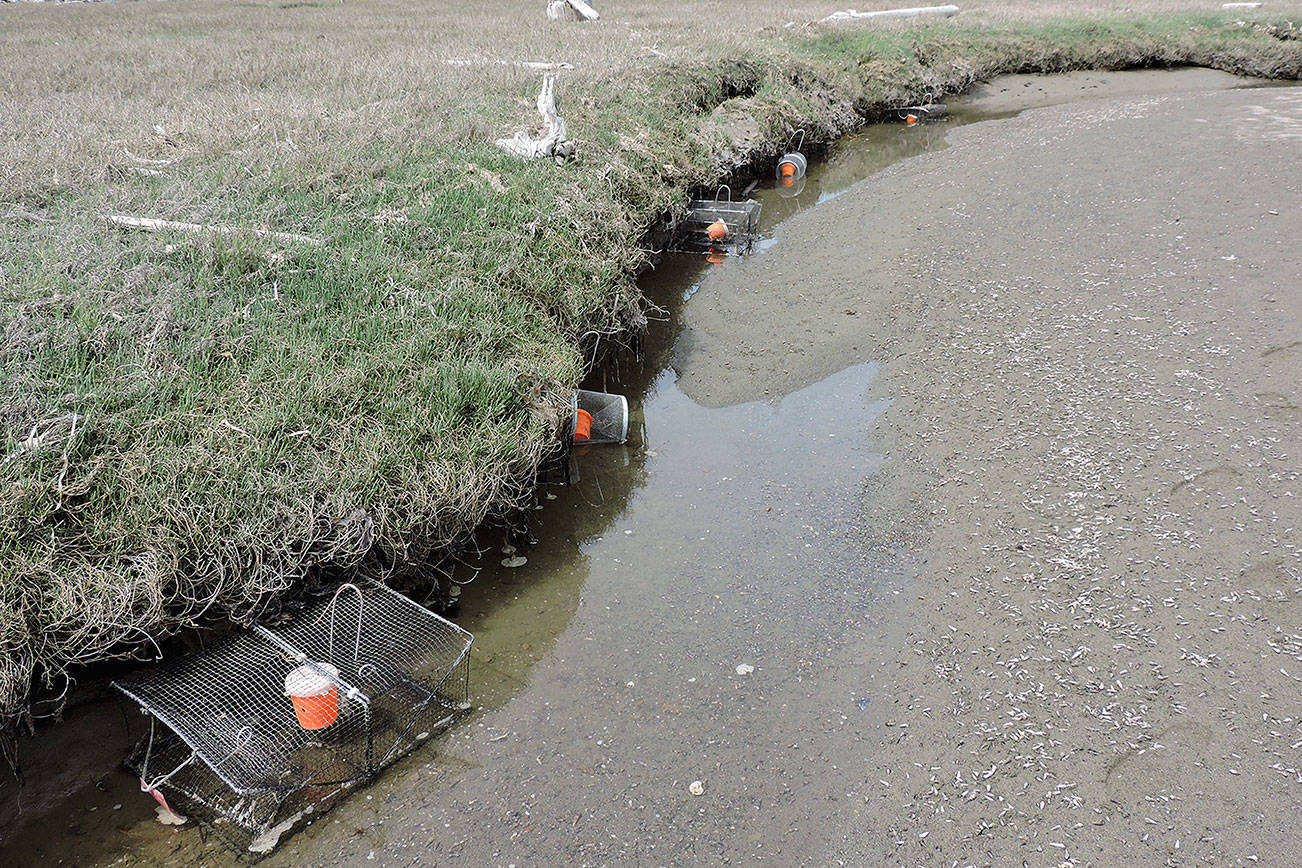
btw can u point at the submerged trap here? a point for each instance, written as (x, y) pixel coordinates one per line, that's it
(598, 417)
(268, 727)
(717, 224)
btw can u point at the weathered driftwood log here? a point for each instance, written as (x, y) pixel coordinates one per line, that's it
(559, 10)
(540, 65)
(554, 142)
(570, 10)
(849, 14)
(147, 224)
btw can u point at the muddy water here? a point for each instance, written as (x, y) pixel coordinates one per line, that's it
(729, 532)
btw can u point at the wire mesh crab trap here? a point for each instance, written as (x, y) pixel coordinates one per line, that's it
(268, 727)
(717, 225)
(597, 417)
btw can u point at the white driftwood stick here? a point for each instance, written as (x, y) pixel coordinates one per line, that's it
(554, 142)
(850, 14)
(542, 66)
(559, 10)
(147, 224)
(584, 9)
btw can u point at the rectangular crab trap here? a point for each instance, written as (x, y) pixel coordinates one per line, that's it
(717, 225)
(268, 727)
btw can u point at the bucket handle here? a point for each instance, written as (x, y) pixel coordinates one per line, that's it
(361, 602)
(800, 132)
(723, 187)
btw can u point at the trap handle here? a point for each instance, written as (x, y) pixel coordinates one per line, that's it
(361, 602)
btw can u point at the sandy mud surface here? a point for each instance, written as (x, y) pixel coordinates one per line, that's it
(1093, 326)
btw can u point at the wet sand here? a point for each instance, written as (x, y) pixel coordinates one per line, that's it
(1092, 324)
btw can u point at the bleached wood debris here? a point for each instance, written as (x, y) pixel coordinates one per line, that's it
(554, 142)
(570, 10)
(541, 66)
(915, 12)
(147, 224)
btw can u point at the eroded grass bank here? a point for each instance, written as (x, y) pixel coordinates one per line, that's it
(191, 425)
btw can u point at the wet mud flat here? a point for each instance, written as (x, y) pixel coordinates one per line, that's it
(957, 527)
(1090, 322)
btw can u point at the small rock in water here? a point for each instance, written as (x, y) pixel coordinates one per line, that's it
(549, 496)
(513, 562)
(745, 669)
(508, 549)
(696, 788)
(454, 591)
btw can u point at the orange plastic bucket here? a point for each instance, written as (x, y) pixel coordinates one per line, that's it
(911, 120)
(788, 170)
(582, 425)
(718, 230)
(315, 697)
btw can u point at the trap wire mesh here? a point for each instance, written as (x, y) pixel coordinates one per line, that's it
(266, 726)
(718, 224)
(606, 419)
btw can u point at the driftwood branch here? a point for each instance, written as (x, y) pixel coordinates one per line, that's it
(573, 10)
(850, 14)
(146, 224)
(555, 142)
(542, 66)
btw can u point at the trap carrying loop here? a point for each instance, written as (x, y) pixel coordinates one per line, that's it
(723, 187)
(330, 610)
(791, 146)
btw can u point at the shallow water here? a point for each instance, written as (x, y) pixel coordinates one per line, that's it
(605, 669)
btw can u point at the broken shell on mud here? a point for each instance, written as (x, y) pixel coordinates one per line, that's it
(696, 788)
(515, 561)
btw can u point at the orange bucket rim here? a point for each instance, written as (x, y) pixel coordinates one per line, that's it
(582, 424)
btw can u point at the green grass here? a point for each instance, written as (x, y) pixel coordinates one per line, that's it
(246, 413)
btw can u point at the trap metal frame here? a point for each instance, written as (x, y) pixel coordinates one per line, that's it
(741, 219)
(229, 745)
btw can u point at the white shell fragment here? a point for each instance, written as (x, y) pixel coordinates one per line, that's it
(508, 549)
(696, 788)
(168, 818)
(516, 561)
(745, 669)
